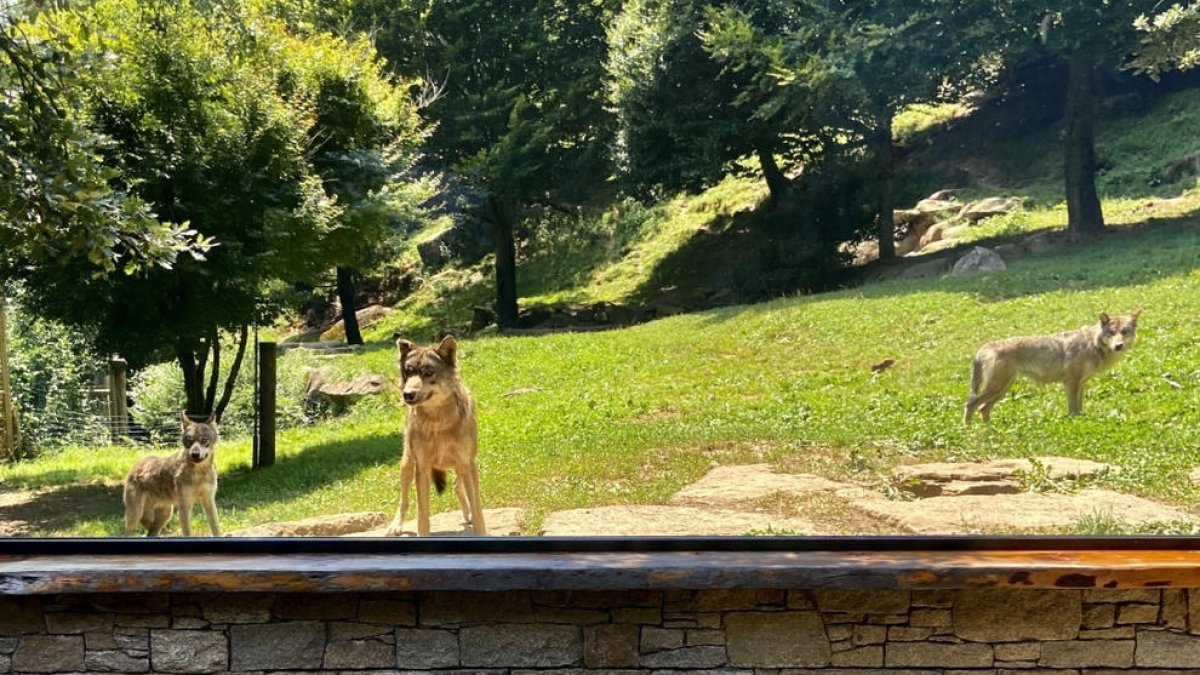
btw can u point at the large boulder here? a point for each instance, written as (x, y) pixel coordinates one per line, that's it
(322, 388)
(986, 208)
(367, 316)
(979, 259)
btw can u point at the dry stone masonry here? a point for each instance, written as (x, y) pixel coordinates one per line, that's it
(710, 632)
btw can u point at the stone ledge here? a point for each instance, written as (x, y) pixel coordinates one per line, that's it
(611, 570)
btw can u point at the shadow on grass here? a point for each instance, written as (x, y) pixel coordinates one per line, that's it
(314, 467)
(60, 508)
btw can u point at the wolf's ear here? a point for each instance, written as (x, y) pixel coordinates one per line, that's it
(1104, 318)
(404, 346)
(184, 420)
(212, 419)
(1135, 314)
(448, 350)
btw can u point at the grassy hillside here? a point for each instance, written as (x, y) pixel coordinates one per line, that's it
(630, 416)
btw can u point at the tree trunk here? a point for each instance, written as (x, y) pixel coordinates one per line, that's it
(193, 381)
(777, 183)
(345, 291)
(1084, 216)
(234, 369)
(886, 170)
(210, 394)
(503, 214)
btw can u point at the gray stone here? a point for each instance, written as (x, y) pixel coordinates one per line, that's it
(116, 662)
(1165, 649)
(1149, 596)
(1018, 651)
(521, 645)
(610, 646)
(272, 646)
(932, 618)
(638, 615)
(909, 633)
(926, 268)
(1122, 633)
(395, 612)
(862, 600)
(705, 636)
(978, 259)
(1099, 616)
(360, 654)
(991, 206)
(424, 648)
(1175, 608)
(5, 663)
(660, 639)
(21, 614)
(8, 643)
(1017, 615)
(574, 615)
(475, 607)
(869, 635)
(926, 654)
(49, 654)
(686, 657)
(860, 657)
(328, 606)
(189, 651)
(1131, 614)
(1076, 654)
(74, 623)
(237, 607)
(776, 639)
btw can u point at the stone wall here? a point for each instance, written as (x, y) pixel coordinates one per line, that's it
(739, 632)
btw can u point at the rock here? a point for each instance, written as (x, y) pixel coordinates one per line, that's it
(928, 268)
(320, 526)
(521, 646)
(666, 521)
(481, 317)
(435, 251)
(1026, 511)
(728, 486)
(986, 208)
(49, 654)
(1042, 242)
(978, 259)
(610, 646)
(944, 244)
(502, 522)
(1185, 167)
(192, 651)
(943, 196)
(999, 476)
(532, 317)
(341, 394)
(423, 649)
(367, 316)
(776, 640)
(1016, 615)
(1008, 251)
(934, 233)
(273, 646)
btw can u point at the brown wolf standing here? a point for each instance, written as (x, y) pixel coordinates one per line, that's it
(439, 434)
(156, 485)
(1071, 358)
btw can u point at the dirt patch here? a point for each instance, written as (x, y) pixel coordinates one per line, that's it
(41, 512)
(669, 521)
(504, 522)
(321, 526)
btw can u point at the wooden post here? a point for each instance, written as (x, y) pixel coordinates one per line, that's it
(118, 409)
(264, 442)
(8, 416)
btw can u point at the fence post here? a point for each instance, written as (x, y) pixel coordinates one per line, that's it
(8, 416)
(264, 442)
(118, 409)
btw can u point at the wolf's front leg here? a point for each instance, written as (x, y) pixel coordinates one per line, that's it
(185, 517)
(408, 470)
(210, 514)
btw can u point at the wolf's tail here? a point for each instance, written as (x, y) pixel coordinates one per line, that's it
(976, 375)
(439, 480)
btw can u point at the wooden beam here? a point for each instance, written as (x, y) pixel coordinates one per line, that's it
(329, 572)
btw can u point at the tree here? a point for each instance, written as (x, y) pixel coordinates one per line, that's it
(203, 134)
(518, 109)
(364, 140)
(57, 200)
(1169, 39)
(854, 65)
(1089, 37)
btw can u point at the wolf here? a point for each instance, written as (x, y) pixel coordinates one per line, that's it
(156, 485)
(1071, 358)
(440, 433)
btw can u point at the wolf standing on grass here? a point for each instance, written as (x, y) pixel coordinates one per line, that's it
(1071, 358)
(440, 433)
(156, 485)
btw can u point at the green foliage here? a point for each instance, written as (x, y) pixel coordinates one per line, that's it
(51, 368)
(1169, 39)
(58, 200)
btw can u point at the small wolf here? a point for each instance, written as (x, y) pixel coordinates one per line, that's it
(156, 485)
(1071, 358)
(439, 434)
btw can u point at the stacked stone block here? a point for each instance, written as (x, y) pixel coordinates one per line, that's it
(705, 632)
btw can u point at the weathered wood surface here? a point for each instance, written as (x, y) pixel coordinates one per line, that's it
(599, 571)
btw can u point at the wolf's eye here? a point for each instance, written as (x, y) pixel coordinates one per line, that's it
(427, 372)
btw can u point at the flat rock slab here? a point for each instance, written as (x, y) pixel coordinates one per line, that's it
(1018, 512)
(320, 526)
(997, 476)
(731, 485)
(657, 520)
(505, 522)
